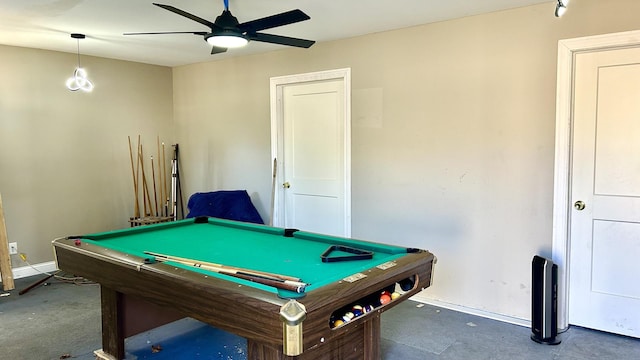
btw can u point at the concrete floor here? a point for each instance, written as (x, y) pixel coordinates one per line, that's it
(61, 319)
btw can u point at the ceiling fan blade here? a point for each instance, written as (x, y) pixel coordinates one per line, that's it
(282, 40)
(217, 50)
(272, 21)
(203, 33)
(188, 15)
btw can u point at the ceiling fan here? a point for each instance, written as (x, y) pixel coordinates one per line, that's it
(227, 32)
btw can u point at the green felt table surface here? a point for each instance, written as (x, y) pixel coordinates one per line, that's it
(248, 246)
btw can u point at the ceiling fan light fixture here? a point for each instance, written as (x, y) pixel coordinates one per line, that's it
(227, 40)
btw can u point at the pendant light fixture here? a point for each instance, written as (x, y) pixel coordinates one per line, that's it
(561, 7)
(79, 80)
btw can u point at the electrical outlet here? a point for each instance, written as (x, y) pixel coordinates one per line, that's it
(13, 248)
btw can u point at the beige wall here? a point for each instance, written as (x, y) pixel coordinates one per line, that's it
(64, 158)
(452, 135)
(457, 157)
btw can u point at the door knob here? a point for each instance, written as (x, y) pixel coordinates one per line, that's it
(286, 185)
(579, 205)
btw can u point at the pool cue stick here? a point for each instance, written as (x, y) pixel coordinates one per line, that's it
(160, 175)
(173, 189)
(28, 288)
(176, 187)
(140, 170)
(162, 257)
(289, 285)
(284, 285)
(145, 186)
(179, 184)
(155, 190)
(164, 180)
(138, 175)
(144, 182)
(136, 212)
(273, 192)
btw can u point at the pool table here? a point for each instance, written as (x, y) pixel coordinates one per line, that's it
(140, 291)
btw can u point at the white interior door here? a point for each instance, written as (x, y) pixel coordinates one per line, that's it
(312, 148)
(604, 290)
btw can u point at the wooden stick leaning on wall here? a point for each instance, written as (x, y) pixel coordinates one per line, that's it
(160, 179)
(5, 259)
(138, 176)
(155, 189)
(179, 183)
(140, 169)
(145, 187)
(164, 181)
(136, 212)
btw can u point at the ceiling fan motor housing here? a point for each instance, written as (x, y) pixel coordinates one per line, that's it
(227, 22)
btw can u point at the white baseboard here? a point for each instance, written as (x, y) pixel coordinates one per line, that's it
(467, 310)
(26, 271)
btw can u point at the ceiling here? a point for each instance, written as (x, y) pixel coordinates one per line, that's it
(47, 24)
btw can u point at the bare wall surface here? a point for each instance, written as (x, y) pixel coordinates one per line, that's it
(452, 138)
(64, 158)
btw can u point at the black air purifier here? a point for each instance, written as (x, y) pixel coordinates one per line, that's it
(544, 301)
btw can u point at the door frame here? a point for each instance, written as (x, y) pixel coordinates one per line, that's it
(567, 51)
(277, 135)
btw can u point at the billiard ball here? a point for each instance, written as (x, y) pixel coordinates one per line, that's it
(407, 284)
(385, 297)
(395, 295)
(337, 323)
(357, 310)
(368, 308)
(348, 316)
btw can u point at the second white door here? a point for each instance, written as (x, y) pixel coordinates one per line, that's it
(605, 234)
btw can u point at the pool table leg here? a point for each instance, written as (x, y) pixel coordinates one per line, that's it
(372, 337)
(112, 323)
(361, 343)
(256, 350)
